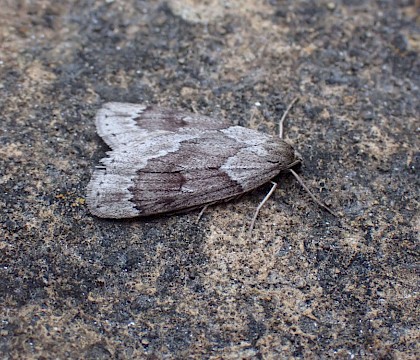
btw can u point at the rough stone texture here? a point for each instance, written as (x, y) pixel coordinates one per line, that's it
(306, 285)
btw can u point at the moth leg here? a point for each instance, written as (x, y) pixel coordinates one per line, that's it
(251, 227)
(294, 101)
(194, 110)
(314, 198)
(205, 207)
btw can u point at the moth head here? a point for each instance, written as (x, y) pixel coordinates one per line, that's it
(281, 154)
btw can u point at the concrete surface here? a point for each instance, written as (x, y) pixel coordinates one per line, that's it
(305, 285)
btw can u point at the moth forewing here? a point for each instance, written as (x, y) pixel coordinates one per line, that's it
(165, 161)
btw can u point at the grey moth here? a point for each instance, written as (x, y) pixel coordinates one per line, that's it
(165, 161)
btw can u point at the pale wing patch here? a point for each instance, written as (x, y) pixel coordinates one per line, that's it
(115, 123)
(246, 136)
(108, 195)
(248, 168)
(134, 156)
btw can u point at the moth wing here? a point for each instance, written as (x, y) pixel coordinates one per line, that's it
(122, 123)
(184, 170)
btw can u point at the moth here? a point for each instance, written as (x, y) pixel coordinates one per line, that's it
(167, 161)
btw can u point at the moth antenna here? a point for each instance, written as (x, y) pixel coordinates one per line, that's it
(314, 198)
(251, 227)
(294, 101)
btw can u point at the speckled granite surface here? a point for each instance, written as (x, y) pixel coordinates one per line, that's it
(306, 285)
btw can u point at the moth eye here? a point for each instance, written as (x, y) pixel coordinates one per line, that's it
(114, 135)
(97, 194)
